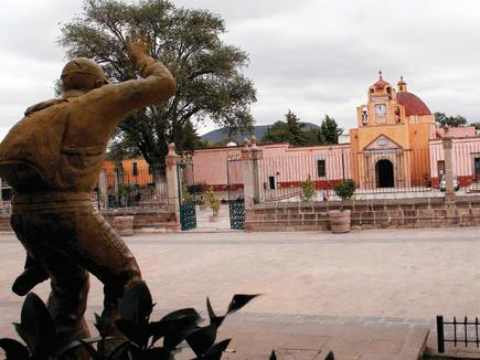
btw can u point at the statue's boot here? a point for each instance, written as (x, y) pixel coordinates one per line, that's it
(28, 279)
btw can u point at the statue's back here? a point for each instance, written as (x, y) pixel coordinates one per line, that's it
(29, 153)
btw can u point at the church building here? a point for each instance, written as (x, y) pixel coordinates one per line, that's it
(392, 138)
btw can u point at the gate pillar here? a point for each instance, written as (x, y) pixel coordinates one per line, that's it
(172, 160)
(1, 196)
(103, 188)
(252, 174)
(447, 149)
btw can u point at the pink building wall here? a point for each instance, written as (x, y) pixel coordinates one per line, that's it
(465, 151)
(288, 165)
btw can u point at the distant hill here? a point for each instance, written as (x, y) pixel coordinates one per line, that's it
(259, 130)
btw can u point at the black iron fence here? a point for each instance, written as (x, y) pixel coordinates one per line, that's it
(458, 332)
(136, 187)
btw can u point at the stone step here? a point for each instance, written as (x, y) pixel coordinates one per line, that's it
(161, 227)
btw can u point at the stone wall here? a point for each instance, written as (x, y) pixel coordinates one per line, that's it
(147, 220)
(144, 221)
(5, 223)
(374, 214)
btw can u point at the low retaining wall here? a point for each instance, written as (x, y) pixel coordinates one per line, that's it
(143, 221)
(5, 223)
(368, 214)
(147, 221)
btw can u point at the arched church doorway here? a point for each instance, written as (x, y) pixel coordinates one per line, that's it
(384, 174)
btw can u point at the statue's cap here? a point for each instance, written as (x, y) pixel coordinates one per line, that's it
(84, 66)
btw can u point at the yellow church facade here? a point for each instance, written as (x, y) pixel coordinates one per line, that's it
(390, 147)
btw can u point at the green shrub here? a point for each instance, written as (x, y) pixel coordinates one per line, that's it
(345, 190)
(213, 202)
(308, 190)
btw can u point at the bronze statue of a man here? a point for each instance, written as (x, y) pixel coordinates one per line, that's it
(52, 159)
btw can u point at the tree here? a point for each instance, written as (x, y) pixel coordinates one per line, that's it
(329, 131)
(449, 121)
(290, 130)
(224, 141)
(208, 72)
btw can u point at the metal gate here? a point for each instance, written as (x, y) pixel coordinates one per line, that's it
(188, 216)
(236, 200)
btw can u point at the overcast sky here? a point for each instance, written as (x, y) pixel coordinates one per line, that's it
(314, 57)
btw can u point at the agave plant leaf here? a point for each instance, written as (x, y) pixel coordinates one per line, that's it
(239, 301)
(216, 352)
(14, 350)
(37, 326)
(202, 339)
(137, 305)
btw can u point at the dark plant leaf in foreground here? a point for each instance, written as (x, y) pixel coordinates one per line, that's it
(37, 326)
(240, 301)
(136, 305)
(215, 353)
(214, 319)
(211, 313)
(103, 325)
(273, 355)
(330, 356)
(175, 327)
(201, 340)
(14, 350)
(139, 334)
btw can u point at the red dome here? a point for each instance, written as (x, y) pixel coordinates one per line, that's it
(413, 104)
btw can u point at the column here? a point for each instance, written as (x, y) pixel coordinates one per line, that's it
(172, 160)
(447, 150)
(1, 196)
(102, 187)
(252, 174)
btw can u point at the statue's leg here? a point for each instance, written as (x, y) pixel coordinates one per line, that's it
(32, 275)
(102, 252)
(44, 235)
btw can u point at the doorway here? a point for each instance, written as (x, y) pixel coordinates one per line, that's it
(384, 174)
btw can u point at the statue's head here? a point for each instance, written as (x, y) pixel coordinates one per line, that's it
(82, 74)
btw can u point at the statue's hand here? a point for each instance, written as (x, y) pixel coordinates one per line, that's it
(138, 45)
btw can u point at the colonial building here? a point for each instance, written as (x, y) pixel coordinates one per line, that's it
(392, 138)
(396, 145)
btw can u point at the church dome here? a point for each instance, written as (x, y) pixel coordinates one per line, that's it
(413, 104)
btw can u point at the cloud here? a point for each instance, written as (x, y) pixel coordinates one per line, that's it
(314, 57)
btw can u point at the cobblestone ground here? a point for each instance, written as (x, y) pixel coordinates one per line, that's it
(402, 277)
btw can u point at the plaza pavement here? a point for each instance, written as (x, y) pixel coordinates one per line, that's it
(333, 290)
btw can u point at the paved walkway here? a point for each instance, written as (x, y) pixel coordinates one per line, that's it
(362, 280)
